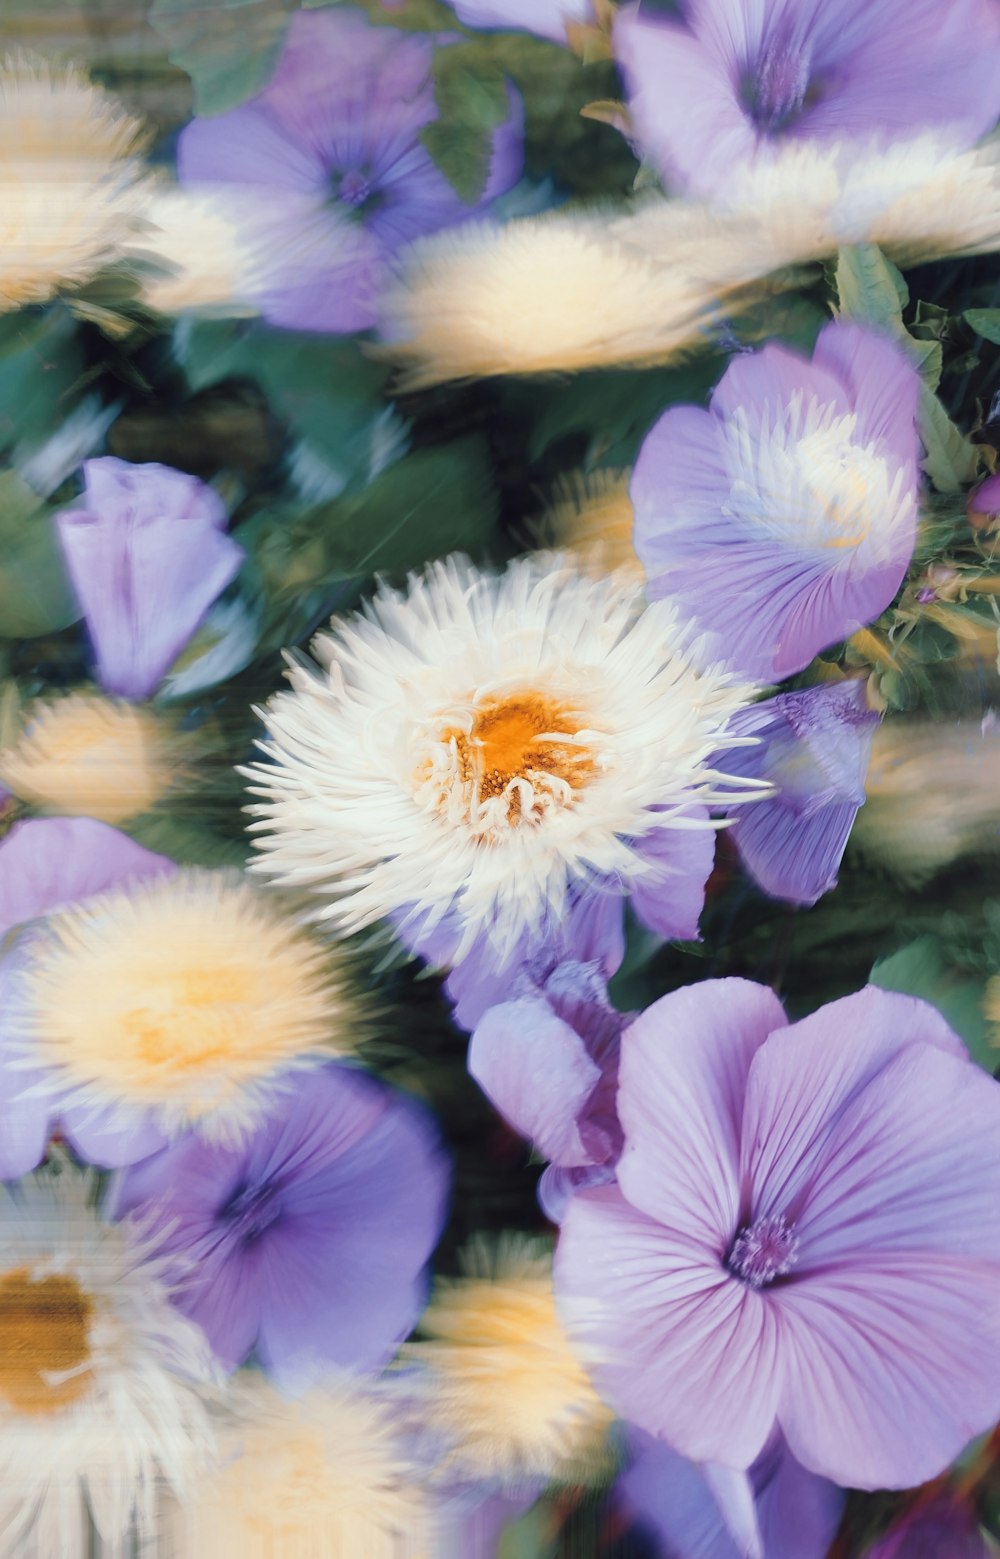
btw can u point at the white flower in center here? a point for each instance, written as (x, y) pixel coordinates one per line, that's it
(477, 746)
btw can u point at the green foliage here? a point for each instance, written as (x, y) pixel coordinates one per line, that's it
(41, 366)
(228, 47)
(985, 322)
(922, 969)
(411, 16)
(471, 95)
(35, 594)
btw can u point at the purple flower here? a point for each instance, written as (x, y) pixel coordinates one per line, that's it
(739, 80)
(777, 1511)
(45, 864)
(309, 1241)
(944, 1527)
(547, 18)
(331, 152)
(804, 1236)
(547, 1059)
(815, 747)
(147, 554)
(783, 519)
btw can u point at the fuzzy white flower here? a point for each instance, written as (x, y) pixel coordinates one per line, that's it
(202, 245)
(72, 182)
(102, 1380)
(476, 746)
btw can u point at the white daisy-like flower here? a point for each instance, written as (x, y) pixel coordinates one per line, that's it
(184, 1001)
(326, 1476)
(103, 1383)
(477, 746)
(506, 1384)
(202, 247)
(72, 183)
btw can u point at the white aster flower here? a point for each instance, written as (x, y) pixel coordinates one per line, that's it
(102, 1380)
(204, 247)
(72, 180)
(479, 745)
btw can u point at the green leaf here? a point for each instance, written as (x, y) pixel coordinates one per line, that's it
(411, 15)
(471, 95)
(870, 287)
(920, 969)
(35, 594)
(228, 47)
(41, 363)
(950, 459)
(985, 322)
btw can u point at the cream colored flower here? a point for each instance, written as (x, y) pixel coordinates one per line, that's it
(506, 1385)
(324, 1477)
(102, 1379)
(591, 515)
(85, 755)
(202, 249)
(189, 997)
(71, 185)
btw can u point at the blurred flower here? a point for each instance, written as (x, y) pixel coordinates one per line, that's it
(591, 515)
(784, 517)
(309, 1240)
(147, 555)
(45, 466)
(86, 755)
(506, 1384)
(328, 1475)
(933, 792)
(477, 748)
(99, 1385)
(183, 1002)
(548, 18)
(778, 1511)
(547, 1058)
(735, 82)
(207, 250)
(944, 1527)
(331, 151)
(814, 748)
(563, 292)
(72, 179)
(805, 1235)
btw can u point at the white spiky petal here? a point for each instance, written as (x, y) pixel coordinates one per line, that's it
(376, 791)
(141, 1419)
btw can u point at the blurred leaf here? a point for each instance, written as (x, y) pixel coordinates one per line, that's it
(471, 95)
(920, 969)
(35, 594)
(616, 408)
(950, 459)
(228, 47)
(41, 363)
(985, 322)
(870, 287)
(532, 1536)
(411, 15)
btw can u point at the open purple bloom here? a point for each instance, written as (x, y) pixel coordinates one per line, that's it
(547, 18)
(147, 554)
(815, 746)
(780, 1512)
(330, 152)
(804, 1235)
(737, 80)
(783, 518)
(309, 1241)
(46, 864)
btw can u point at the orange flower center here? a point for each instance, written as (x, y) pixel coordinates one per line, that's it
(527, 737)
(43, 1327)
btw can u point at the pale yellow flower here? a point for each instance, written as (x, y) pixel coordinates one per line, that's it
(591, 515)
(72, 182)
(324, 1477)
(202, 253)
(86, 755)
(506, 1384)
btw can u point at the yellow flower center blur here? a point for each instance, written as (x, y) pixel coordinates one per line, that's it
(44, 1325)
(89, 756)
(525, 737)
(182, 993)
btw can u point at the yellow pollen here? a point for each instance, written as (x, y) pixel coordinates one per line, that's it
(89, 756)
(44, 1325)
(184, 994)
(527, 737)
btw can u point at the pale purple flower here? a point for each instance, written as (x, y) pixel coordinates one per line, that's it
(776, 1511)
(330, 154)
(804, 1235)
(783, 518)
(309, 1241)
(547, 18)
(737, 80)
(814, 748)
(45, 865)
(147, 554)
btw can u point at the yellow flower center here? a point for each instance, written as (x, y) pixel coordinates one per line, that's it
(44, 1327)
(88, 756)
(183, 994)
(526, 737)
